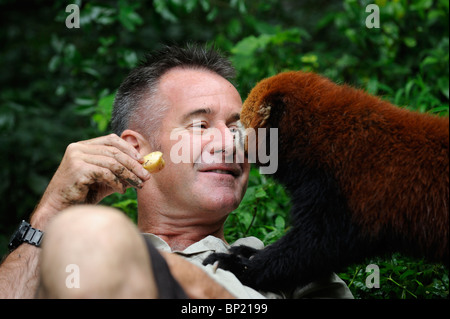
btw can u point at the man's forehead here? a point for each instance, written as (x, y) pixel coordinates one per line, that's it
(193, 83)
(208, 111)
(198, 91)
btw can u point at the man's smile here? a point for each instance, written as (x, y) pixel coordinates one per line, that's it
(232, 169)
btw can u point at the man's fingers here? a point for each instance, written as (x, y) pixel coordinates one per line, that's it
(118, 170)
(122, 158)
(117, 142)
(121, 151)
(102, 182)
(92, 185)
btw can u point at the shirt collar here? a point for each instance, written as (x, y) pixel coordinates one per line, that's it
(209, 243)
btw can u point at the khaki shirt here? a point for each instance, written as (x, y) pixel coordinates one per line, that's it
(333, 287)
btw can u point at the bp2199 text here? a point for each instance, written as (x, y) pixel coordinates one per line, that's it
(244, 308)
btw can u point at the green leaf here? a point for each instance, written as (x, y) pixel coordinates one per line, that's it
(103, 112)
(84, 101)
(410, 42)
(130, 58)
(161, 7)
(372, 86)
(105, 104)
(91, 71)
(443, 85)
(102, 122)
(129, 18)
(260, 193)
(280, 223)
(54, 63)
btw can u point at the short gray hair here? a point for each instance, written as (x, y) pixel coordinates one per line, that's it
(138, 92)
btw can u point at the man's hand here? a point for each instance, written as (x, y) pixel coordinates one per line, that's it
(89, 171)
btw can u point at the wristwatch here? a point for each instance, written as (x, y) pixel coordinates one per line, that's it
(25, 233)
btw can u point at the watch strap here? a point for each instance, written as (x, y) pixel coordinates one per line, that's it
(33, 236)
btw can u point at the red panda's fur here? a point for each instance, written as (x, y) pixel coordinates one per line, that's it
(391, 164)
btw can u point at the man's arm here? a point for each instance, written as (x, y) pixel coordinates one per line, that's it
(19, 273)
(89, 171)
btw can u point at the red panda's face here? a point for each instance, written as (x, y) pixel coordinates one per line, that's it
(254, 114)
(263, 110)
(272, 98)
(286, 102)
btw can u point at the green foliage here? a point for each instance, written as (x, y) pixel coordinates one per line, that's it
(400, 277)
(405, 59)
(58, 85)
(126, 202)
(259, 214)
(257, 57)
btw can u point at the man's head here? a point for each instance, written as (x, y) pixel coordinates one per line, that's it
(191, 107)
(138, 93)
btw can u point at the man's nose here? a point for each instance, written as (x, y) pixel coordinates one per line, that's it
(224, 141)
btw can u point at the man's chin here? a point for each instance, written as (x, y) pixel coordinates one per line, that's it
(221, 202)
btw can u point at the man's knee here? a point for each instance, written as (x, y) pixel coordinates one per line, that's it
(94, 251)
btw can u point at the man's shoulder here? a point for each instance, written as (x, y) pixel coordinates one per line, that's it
(251, 241)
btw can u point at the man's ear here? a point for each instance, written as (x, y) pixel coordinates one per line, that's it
(138, 141)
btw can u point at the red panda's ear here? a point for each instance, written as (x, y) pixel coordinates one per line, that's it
(264, 114)
(264, 104)
(271, 110)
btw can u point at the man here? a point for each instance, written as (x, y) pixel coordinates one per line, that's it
(172, 101)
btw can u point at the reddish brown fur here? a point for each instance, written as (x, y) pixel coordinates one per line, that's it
(391, 164)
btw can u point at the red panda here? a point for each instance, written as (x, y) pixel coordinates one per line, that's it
(365, 177)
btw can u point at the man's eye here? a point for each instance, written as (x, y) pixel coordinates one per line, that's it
(236, 129)
(199, 125)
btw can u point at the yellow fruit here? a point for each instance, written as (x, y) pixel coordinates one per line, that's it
(154, 162)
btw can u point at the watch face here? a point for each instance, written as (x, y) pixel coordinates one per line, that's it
(17, 237)
(13, 242)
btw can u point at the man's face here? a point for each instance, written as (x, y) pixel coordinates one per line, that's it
(199, 130)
